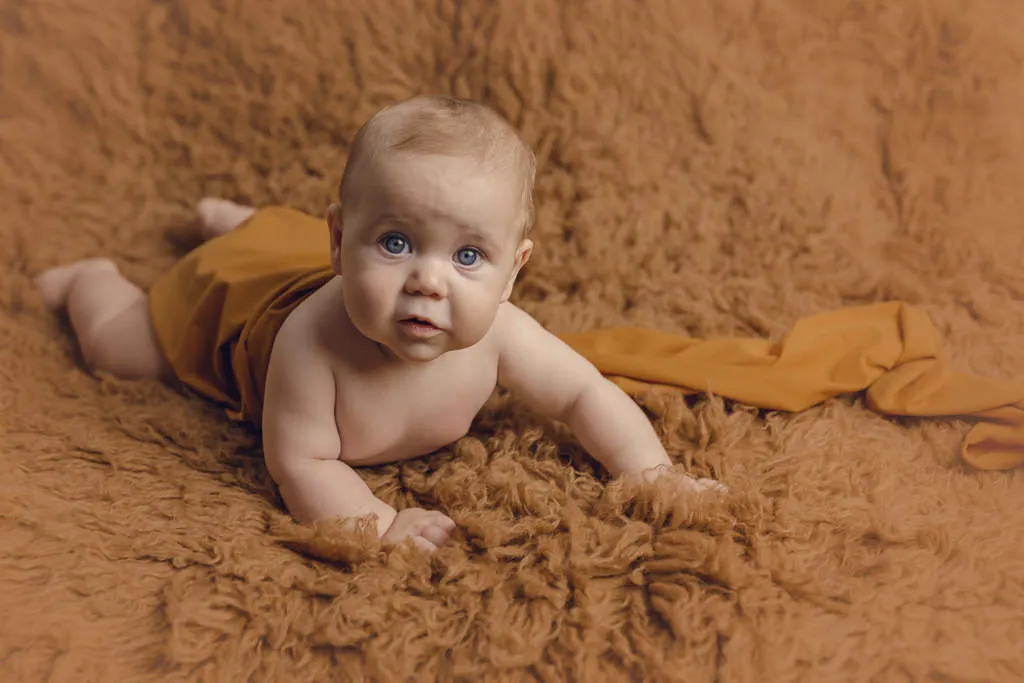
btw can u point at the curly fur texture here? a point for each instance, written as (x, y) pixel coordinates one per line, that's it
(704, 167)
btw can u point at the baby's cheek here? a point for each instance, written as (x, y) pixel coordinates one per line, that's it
(365, 297)
(370, 283)
(477, 315)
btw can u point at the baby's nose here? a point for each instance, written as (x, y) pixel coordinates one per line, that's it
(426, 280)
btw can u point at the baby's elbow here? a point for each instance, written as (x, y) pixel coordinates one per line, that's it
(289, 460)
(582, 398)
(280, 468)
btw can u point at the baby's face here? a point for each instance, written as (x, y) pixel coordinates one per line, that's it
(429, 252)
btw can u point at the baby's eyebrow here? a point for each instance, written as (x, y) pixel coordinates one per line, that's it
(391, 217)
(475, 236)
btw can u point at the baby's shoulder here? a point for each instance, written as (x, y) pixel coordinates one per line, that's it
(509, 315)
(308, 334)
(512, 325)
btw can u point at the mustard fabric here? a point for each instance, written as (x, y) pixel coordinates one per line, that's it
(218, 310)
(891, 350)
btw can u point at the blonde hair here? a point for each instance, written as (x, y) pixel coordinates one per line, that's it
(440, 124)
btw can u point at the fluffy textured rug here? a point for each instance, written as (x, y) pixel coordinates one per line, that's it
(706, 167)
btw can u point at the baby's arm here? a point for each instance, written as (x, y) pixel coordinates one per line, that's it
(301, 443)
(559, 383)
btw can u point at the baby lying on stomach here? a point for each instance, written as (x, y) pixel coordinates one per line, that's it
(376, 339)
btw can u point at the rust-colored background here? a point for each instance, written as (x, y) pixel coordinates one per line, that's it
(715, 167)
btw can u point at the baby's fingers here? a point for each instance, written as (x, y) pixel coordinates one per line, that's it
(437, 531)
(711, 485)
(424, 544)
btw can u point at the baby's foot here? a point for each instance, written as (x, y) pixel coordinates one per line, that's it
(218, 216)
(55, 283)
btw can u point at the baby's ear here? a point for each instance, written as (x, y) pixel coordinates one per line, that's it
(523, 252)
(335, 226)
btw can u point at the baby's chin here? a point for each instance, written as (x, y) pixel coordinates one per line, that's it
(413, 352)
(416, 354)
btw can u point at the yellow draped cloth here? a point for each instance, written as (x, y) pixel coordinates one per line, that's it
(217, 312)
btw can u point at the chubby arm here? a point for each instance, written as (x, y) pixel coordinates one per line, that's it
(301, 443)
(559, 383)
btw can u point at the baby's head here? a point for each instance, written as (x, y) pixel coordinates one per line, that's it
(436, 202)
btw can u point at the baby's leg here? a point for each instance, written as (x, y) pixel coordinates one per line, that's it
(218, 216)
(110, 317)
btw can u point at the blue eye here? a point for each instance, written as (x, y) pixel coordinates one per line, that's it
(393, 244)
(468, 256)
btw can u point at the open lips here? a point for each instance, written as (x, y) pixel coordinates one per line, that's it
(419, 321)
(419, 327)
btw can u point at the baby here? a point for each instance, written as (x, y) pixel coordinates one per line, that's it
(376, 342)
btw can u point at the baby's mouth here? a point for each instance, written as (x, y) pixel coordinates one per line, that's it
(419, 321)
(419, 327)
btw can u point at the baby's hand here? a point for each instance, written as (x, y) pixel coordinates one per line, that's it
(428, 529)
(690, 484)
